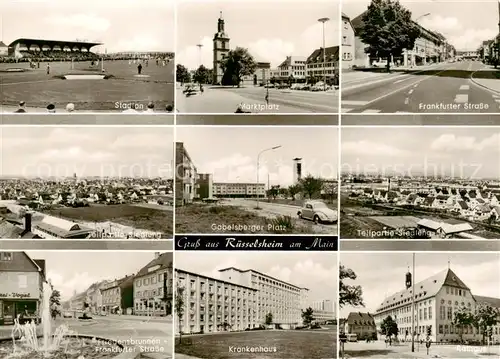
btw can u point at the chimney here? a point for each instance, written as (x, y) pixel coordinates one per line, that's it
(157, 255)
(27, 221)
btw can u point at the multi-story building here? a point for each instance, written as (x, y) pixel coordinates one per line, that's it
(324, 310)
(323, 63)
(205, 185)
(239, 190)
(214, 305)
(241, 299)
(283, 300)
(21, 286)
(436, 299)
(118, 295)
(186, 176)
(153, 287)
(293, 68)
(348, 43)
(361, 324)
(94, 294)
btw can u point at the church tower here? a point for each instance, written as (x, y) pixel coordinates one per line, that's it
(221, 48)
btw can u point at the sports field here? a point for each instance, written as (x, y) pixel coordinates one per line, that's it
(121, 86)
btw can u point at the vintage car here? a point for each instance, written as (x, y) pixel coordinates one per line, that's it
(318, 212)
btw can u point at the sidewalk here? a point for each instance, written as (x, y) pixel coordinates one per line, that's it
(487, 78)
(184, 356)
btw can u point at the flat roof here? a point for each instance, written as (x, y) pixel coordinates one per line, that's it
(53, 42)
(265, 275)
(215, 279)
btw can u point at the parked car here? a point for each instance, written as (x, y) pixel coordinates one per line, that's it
(269, 86)
(318, 212)
(381, 63)
(67, 314)
(190, 89)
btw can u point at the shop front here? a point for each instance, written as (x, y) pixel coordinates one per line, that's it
(14, 305)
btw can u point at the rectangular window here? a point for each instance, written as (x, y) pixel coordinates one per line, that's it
(450, 313)
(430, 313)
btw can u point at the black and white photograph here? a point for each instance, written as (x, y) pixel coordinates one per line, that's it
(419, 305)
(256, 180)
(86, 182)
(94, 119)
(426, 56)
(70, 304)
(420, 183)
(257, 56)
(87, 56)
(255, 305)
(449, 119)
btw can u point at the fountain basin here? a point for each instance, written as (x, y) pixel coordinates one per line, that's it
(73, 347)
(84, 77)
(14, 69)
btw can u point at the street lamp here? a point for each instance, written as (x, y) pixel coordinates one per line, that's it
(410, 282)
(323, 20)
(258, 161)
(425, 41)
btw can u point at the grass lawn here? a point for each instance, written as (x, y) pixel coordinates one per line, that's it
(201, 218)
(125, 214)
(290, 344)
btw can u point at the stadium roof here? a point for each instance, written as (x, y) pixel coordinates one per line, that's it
(42, 42)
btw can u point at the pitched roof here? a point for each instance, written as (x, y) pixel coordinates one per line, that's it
(447, 228)
(164, 260)
(2, 44)
(427, 288)
(359, 318)
(331, 54)
(463, 204)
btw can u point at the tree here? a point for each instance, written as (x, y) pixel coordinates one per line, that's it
(463, 318)
(236, 64)
(274, 191)
(179, 308)
(55, 303)
(269, 318)
(273, 80)
(311, 185)
(182, 74)
(389, 327)
(307, 316)
(202, 75)
(293, 190)
(388, 30)
(349, 294)
(491, 219)
(291, 79)
(485, 317)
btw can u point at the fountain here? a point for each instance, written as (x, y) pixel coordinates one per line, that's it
(25, 342)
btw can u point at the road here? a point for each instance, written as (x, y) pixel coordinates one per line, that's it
(441, 88)
(272, 210)
(403, 351)
(226, 100)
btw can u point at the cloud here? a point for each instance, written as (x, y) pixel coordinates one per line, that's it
(270, 49)
(368, 148)
(87, 22)
(138, 43)
(441, 23)
(74, 153)
(79, 282)
(451, 143)
(141, 141)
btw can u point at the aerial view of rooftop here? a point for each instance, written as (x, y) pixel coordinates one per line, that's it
(420, 183)
(86, 183)
(86, 56)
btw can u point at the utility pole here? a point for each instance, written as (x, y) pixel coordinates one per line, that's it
(323, 20)
(413, 307)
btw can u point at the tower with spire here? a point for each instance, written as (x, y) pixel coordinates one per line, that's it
(221, 49)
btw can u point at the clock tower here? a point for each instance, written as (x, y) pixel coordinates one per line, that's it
(221, 49)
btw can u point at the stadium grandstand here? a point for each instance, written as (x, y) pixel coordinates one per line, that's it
(37, 50)
(57, 228)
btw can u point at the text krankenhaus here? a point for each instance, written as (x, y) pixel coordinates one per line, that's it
(14, 295)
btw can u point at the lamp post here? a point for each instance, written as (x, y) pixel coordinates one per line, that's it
(258, 162)
(425, 41)
(413, 306)
(323, 20)
(199, 52)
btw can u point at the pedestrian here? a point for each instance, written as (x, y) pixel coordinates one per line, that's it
(151, 108)
(201, 88)
(21, 107)
(48, 69)
(139, 69)
(169, 108)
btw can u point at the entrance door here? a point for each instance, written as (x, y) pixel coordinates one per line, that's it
(9, 313)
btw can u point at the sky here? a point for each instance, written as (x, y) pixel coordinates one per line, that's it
(469, 153)
(69, 271)
(313, 270)
(122, 25)
(230, 154)
(87, 151)
(464, 23)
(383, 274)
(271, 30)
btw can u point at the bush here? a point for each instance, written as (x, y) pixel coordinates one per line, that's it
(217, 210)
(281, 224)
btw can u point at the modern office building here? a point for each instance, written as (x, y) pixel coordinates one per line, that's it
(239, 190)
(21, 283)
(186, 176)
(293, 68)
(437, 298)
(153, 287)
(324, 310)
(240, 299)
(205, 185)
